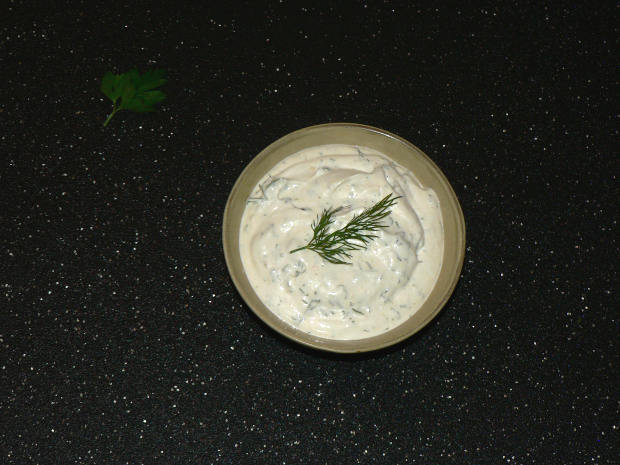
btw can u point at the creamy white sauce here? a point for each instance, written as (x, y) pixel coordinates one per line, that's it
(384, 284)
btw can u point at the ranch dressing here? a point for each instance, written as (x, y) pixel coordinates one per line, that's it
(384, 284)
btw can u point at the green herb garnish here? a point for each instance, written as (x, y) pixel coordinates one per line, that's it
(135, 91)
(335, 246)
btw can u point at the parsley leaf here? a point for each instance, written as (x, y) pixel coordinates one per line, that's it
(136, 92)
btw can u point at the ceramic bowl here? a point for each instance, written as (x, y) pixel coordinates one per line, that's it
(396, 148)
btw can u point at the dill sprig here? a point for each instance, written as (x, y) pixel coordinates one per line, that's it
(335, 246)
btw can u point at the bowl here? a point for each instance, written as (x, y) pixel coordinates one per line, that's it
(394, 147)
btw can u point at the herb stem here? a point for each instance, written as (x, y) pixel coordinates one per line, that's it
(115, 110)
(298, 249)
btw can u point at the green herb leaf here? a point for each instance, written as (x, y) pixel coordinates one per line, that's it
(136, 92)
(110, 86)
(336, 246)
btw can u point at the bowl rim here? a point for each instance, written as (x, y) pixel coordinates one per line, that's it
(335, 345)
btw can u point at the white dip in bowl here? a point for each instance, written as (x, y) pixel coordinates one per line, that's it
(384, 284)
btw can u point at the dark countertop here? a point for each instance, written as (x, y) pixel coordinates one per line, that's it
(122, 338)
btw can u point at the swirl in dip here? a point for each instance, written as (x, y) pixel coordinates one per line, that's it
(384, 284)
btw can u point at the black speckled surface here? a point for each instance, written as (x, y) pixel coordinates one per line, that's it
(122, 338)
